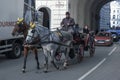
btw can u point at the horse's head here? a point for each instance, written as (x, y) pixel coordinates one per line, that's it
(19, 28)
(32, 36)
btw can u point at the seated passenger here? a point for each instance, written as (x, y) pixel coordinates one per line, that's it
(86, 31)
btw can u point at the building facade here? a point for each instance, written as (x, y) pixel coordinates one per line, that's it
(53, 11)
(115, 13)
(105, 17)
(29, 11)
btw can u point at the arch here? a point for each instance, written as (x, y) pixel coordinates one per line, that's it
(46, 16)
(89, 12)
(96, 13)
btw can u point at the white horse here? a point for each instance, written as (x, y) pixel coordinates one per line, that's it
(51, 41)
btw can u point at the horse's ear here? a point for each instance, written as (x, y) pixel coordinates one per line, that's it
(17, 22)
(20, 19)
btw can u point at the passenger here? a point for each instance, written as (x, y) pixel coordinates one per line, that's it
(86, 31)
(67, 22)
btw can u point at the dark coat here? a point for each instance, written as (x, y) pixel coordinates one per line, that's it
(65, 21)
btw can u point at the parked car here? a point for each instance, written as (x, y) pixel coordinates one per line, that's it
(115, 35)
(117, 31)
(104, 38)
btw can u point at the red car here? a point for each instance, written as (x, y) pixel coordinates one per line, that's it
(104, 38)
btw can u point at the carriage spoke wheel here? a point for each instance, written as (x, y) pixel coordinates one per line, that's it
(81, 53)
(92, 50)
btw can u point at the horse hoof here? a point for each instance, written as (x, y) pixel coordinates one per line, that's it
(66, 64)
(57, 68)
(45, 71)
(38, 68)
(64, 67)
(60, 69)
(23, 71)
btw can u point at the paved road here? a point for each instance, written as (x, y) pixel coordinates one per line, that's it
(105, 65)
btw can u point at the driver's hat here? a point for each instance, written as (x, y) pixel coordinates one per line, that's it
(67, 13)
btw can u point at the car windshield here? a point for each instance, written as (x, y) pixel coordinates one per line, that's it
(103, 34)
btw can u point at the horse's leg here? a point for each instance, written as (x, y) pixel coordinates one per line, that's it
(46, 60)
(52, 59)
(25, 58)
(36, 57)
(66, 57)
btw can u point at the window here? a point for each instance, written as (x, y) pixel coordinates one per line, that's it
(117, 22)
(118, 11)
(113, 22)
(117, 16)
(114, 11)
(113, 16)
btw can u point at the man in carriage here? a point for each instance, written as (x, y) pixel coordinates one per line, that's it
(67, 22)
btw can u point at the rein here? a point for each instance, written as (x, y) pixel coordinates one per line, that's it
(54, 42)
(30, 36)
(46, 36)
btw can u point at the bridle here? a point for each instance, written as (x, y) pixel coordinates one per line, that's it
(33, 31)
(44, 37)
(22, 27)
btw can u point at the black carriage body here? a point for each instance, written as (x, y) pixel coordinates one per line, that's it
(78, 39)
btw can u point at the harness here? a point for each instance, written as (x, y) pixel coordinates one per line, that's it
(47, 36)
(60, 34)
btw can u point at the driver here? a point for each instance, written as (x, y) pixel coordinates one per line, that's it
(67, 22)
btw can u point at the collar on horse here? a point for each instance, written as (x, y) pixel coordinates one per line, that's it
(60, 35)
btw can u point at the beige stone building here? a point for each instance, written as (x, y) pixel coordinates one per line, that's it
(53, 10)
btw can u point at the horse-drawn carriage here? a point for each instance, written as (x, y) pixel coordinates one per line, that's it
(78, 46)
(52, 41)
(79, 41)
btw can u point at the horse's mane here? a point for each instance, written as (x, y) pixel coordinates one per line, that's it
(41, 29)
(41, 26)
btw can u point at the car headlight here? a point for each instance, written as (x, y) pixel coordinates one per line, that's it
(95, 39)
(107, 40)
(114, 36)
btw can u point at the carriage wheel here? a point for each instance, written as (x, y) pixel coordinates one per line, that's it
(92, 50)
(81, 53)
(58, 56)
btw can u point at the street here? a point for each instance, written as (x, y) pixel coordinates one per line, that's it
(105, 65)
